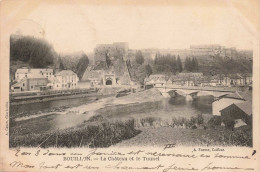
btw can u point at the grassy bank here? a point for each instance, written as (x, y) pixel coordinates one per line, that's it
(161, 136)
(102, 134)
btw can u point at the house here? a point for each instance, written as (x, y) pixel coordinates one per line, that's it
(178, 82)
(203, 83)
(84, 84)
(248, 78)
(214, 83)
(219, 79)
(236, 111)
(225, 101)
(190, 74)
(160, 82)
(156, 80)
(169, 82)
(54, 83)
(189, 83)
(227, 81)
(93, 78)
(30, 84)
(33, 73)
(235, 80)
(68, 79)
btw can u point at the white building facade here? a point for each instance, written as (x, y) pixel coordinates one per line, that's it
(24, 73)
(67, 80)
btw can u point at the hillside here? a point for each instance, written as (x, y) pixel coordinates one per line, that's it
(27, 51)
(30, 52)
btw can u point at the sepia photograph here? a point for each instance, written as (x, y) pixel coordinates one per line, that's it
(119, 93)
(134, 75)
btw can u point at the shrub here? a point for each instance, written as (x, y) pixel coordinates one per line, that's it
(229, 124)
(215, 121)
(200, 119)
(91, 135)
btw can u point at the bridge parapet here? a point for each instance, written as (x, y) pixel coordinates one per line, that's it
(218, 89)
(193, 92)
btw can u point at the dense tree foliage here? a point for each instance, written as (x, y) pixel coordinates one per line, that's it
(148, 70)
(82, 65)
(167, 64)
(191, 64)
(179, 64)
(36, 52)
(225, 65)
(139, 58)
(61, 66)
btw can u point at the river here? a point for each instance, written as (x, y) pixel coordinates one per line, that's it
(81, 109)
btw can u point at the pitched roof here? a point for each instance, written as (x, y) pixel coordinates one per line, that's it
(18, 83)
(247, 95)
(23, 70)
(246, 107)
(41, 70)
(235, 95)
(65, 73)
(34, 70)
(91, 74)
(235, 76)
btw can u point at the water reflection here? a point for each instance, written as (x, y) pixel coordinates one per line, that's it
(83, 108)
(202, 103)
(42, 106)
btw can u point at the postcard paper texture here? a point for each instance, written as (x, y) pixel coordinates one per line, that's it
(129, 85)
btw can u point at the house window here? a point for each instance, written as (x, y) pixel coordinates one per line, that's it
(23, 84)
(31, 86)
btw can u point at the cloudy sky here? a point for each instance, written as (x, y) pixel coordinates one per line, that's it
(72, 27)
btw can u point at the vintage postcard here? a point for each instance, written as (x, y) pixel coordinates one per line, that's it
(129, 85)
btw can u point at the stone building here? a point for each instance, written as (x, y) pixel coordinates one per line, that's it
(30, 84)
(113, 51)
(23, 73)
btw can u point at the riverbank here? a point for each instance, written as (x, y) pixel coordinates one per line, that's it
(189, 137)
(29, 130)
(153, 119)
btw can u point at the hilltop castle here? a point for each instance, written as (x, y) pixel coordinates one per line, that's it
(110, 67)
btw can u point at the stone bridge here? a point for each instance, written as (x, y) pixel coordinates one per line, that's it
(192, 92)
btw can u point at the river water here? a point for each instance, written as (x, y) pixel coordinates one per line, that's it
(81, 109)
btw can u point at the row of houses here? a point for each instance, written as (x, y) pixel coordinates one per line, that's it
(41, 79)
(198, 79)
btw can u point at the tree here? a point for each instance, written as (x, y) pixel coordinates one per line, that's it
(139, 59)
(82, 66)
(179, 64)
(61, 66)
(188, 64)
(38, 53)
(193, 65)
(148, 70)
(196, 64)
